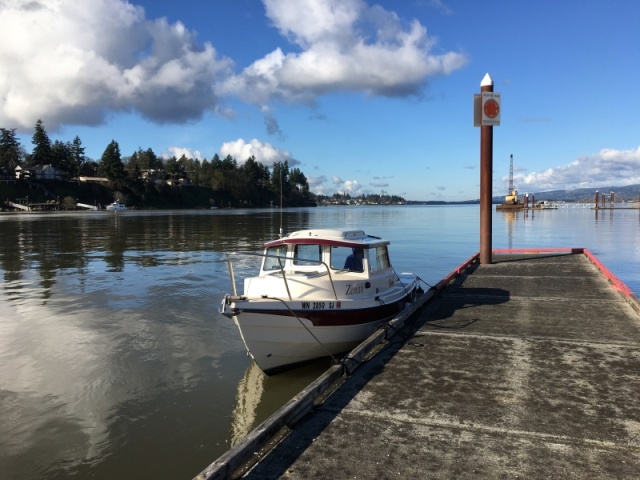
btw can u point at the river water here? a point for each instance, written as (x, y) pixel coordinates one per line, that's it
(114, 360)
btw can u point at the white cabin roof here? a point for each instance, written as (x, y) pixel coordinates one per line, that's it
(336, 237)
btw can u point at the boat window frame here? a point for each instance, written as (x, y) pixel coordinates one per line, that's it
(379, 262)
(275, 258)
(338, 256)
(300, 250)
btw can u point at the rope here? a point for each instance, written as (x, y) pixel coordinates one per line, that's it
(305, 327)
(427, 284)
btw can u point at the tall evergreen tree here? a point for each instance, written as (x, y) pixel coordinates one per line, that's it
(133, 162)
(216, 163)
(60, 155)
(42, 146)
(298, 180)
(10, 149)
(77, 157)
(175, 168)
(148, 160)
(229, 163)
(111, 165)
(280, 179)
(89, 168)
(256, 179)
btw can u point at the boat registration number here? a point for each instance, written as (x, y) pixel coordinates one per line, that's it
(320, 305)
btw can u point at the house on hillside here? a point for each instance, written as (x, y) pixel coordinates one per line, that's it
(5, 175)
(153, 176)
(40, 172)
(48, 172)
(22, 173)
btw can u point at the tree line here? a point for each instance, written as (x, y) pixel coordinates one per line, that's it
(250, 183)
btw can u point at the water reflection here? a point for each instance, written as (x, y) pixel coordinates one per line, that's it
(52, 245)
(250, 391)
(112, 350)
(259, 396)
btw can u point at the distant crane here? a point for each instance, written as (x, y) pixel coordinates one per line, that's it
(512, 196)
(511, 199)
(510, 172)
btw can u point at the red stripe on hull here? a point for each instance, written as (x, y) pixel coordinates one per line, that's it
(331, 318)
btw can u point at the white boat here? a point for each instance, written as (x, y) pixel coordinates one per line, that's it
(547, 205)
(318, 293)
(116, 206)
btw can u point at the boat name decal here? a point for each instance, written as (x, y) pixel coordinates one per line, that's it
(355, 289)
(320, 305)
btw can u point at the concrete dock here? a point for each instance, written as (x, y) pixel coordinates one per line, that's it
(527, 368)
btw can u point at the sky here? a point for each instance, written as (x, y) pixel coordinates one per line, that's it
(362, 96)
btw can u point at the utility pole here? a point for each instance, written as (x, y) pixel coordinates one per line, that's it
(486, 172)
(486, 115)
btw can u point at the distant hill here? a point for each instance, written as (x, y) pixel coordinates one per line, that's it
(630, 192)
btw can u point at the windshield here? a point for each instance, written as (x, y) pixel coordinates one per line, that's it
(275, 258)
(347, 258)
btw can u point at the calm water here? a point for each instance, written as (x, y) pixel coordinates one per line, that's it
(115, 363)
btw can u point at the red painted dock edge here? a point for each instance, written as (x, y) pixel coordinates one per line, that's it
(457, 271)
(615, 282)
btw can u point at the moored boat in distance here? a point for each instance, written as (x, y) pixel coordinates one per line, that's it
(116, 206)
(318, 293)
(547, 205)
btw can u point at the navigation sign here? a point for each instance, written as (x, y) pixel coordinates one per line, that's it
(490, 108)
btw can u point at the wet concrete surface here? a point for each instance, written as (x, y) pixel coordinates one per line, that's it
(525, 368)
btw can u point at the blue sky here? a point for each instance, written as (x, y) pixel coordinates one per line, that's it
(362, 96)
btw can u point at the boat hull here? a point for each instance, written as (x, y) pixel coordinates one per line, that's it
(279, 336)
(318, 293)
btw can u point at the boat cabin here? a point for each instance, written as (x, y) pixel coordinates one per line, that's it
(309, 251)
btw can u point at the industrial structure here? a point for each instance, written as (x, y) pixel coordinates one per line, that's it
(511, 201)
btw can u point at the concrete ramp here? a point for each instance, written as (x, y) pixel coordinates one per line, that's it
(19, 206)
(88, 207)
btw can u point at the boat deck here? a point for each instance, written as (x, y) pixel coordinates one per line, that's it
(525, 368)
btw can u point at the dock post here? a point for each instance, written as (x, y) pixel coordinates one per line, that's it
(597, 199)
(486, 181)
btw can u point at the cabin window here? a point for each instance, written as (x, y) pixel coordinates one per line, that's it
(307, 255)
(347, 258)
(275, 258)
(380, 260)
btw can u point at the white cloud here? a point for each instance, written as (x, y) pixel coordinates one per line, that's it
(608, 167)
(352, 187)
(338, 185)
(264, 153)
(345, 45)
(91, 58)
(316, 185)
(179, 151)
